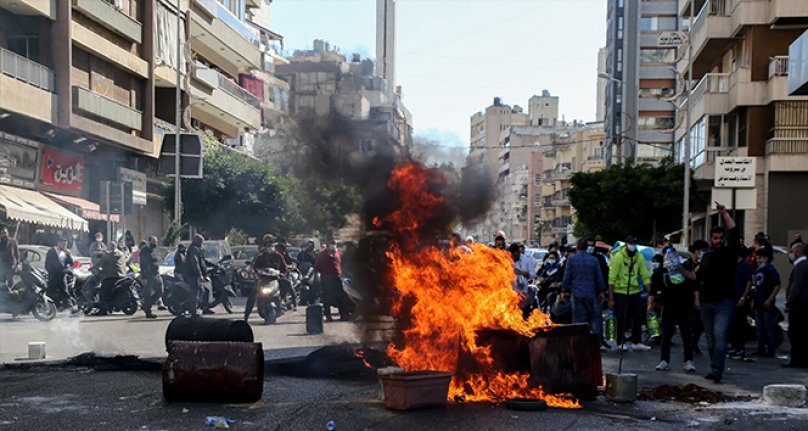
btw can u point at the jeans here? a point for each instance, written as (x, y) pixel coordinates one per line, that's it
(587, 310)
(673, 316)
(765, 325)
(629, 309)
(716, 317)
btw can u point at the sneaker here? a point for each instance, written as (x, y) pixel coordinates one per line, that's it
(663, 366)
(151, 316)
(737, 354)
(689, 367)
(640, 347)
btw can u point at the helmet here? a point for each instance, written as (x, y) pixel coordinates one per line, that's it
(197, 239)
(266, 239)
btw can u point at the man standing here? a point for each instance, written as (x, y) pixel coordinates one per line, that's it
(149, 270)
(524, 272)
(797, 307)
(113, 268)
(717, 276)
(625, 294)
(329, 265)
(56, 261)
(584, 279)
(196, 274)
(9, 257)
(767, 285)
(743, 286)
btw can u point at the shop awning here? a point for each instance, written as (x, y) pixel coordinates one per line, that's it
(89, 210)
(33, 207)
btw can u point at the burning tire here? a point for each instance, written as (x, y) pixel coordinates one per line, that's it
(526, 404)
(44, 311)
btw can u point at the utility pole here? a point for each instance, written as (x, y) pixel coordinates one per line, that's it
(618, 142)
(178, 120)
(686, 155)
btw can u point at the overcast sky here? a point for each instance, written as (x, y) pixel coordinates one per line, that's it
(454, 56)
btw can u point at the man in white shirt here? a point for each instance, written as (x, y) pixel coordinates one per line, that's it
(525, 271)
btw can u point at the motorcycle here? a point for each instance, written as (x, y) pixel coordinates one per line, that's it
(303, 284)
(125, 297)
(270, 303)
(179, 299)
(219, 287)
(28, 295)
(177, 295)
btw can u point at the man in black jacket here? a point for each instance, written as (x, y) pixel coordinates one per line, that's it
(56, 261)
(797, 307)
(149, 270)
(716, 275)
(196, 274)
(9, 257)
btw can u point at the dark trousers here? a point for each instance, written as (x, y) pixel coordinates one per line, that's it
(152, 291)
(737, 328)
(197, 296)
(57, 289)
(766, 327)
(6, 275)
(629, 310)
(107, 294)
(332, 295)
(587, 310)
(674, 316)
(286, 289)
(797, 328)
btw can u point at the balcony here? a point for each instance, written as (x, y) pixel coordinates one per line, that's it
(745, 92)
(93, 42)
(561, 176)
(711, 36)
(223, 104)
(222, 38)
(112, 18)
(787, 146)
(710, 96)
(26, 87)
(792, 11)
(31, 7)
(777, 88)
(107, 109)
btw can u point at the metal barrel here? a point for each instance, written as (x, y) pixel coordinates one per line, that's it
(202, 329)
(314, 319)
(231, 372)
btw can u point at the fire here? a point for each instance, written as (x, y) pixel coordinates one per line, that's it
(446, 296)
(360, 353)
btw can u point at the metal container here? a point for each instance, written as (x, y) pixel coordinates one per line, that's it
(566, 359)
(383, 372)
(314, 319)
(621, 388)
(201, 329)
(213, 371)
(416, 389)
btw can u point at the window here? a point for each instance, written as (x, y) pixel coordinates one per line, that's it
(697, 136)
(656, 92)
(657, 55)
(620, 23)
(657, 23)
(537, 179)
(655, 123)
(537, 200)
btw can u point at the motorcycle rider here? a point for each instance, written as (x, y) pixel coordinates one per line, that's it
(306, 258)
(279, 260)
(56, 261)
(113, 268)
(9, 257)
(96, 251)
(196, 273)
(267, 258)
(152, 284)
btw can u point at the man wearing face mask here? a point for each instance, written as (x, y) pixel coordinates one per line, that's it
(625, 293)
(329, 265)
(717, 277)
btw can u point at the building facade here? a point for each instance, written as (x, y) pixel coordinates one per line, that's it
(740, 106)
(641, 82)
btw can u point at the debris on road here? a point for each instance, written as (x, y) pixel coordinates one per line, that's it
(691, 394)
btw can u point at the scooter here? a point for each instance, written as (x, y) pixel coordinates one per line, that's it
(221, 290)
(125, 297)
(177, 296)
(28, 296)
(270, 303)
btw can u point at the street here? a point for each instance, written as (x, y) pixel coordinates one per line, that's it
(34, 397)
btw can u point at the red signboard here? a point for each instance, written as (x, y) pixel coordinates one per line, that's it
(62, 171)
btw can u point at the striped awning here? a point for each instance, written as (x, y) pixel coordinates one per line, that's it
(33, 207)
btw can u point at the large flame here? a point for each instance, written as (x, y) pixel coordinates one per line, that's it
(446, 296)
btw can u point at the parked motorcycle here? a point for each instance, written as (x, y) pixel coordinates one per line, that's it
(177, 295)
(270, 303)
(125, 297)
(28, 295)
(222, 291)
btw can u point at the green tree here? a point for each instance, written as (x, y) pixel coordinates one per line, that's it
(630, 199)
(235, 193)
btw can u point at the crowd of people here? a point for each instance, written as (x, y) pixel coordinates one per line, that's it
(711, 290)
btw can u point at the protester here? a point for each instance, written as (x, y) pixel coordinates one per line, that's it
(797, 307)
(469, 241)
(306, 258)
(180, 262)
(150, 275)
(717, 276)
(279, 261)
(584, 280)
(767, 285)
(9, 257)
(196, 274)
(499, 242)
(56, 261)
(113, 268)
(625, 294)
(329, 265)
(681, 300)
(456, 243)
(737, 328)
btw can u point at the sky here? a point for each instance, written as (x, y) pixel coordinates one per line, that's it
(454, 56)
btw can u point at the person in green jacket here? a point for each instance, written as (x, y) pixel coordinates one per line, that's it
(627, 276)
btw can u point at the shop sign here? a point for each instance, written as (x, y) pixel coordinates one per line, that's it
(63, 171)
(18, 161)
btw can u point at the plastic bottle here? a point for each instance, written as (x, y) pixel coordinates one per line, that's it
(610, 326)
(674, 266)
(331, 426)
(652, 324)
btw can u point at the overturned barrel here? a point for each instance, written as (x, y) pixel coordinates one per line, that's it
(201, 329)
(213, 372)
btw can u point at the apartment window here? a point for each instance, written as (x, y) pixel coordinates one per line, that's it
(620, 23)
(655, 123)
(24, 46)
(537, 200)
(619, 55)
(658, 23)
(657, 55)
(619, 3)
(697, 136)
(657, 93)
(537, 179)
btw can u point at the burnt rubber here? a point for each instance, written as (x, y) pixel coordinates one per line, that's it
(526, 404)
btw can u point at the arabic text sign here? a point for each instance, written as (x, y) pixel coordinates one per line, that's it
(63, 171)
(670, 38)
(735, 172)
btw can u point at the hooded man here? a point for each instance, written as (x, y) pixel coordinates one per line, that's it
(149, 270)
(196, 270)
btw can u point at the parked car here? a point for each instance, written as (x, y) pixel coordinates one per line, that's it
(214, 251)
(536, 253)
(35, 256)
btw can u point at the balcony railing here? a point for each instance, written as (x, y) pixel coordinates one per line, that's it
(778, 66)
(219, 11)
(713, 83)
(213, 77)
(710, 8)
(30, 72)
(787, 146)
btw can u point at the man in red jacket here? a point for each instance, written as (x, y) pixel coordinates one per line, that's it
(329, 265)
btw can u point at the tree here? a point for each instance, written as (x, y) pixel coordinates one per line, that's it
(628, 199)
(235, 193)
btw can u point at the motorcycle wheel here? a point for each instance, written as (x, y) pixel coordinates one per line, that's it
(262, 311)
(44, 310)
(131, 308)
(271, 316)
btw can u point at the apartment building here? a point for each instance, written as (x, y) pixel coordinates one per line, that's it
(486, 129)
(740, 106)
(579, 148)
(87, 91)
(641, 80)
